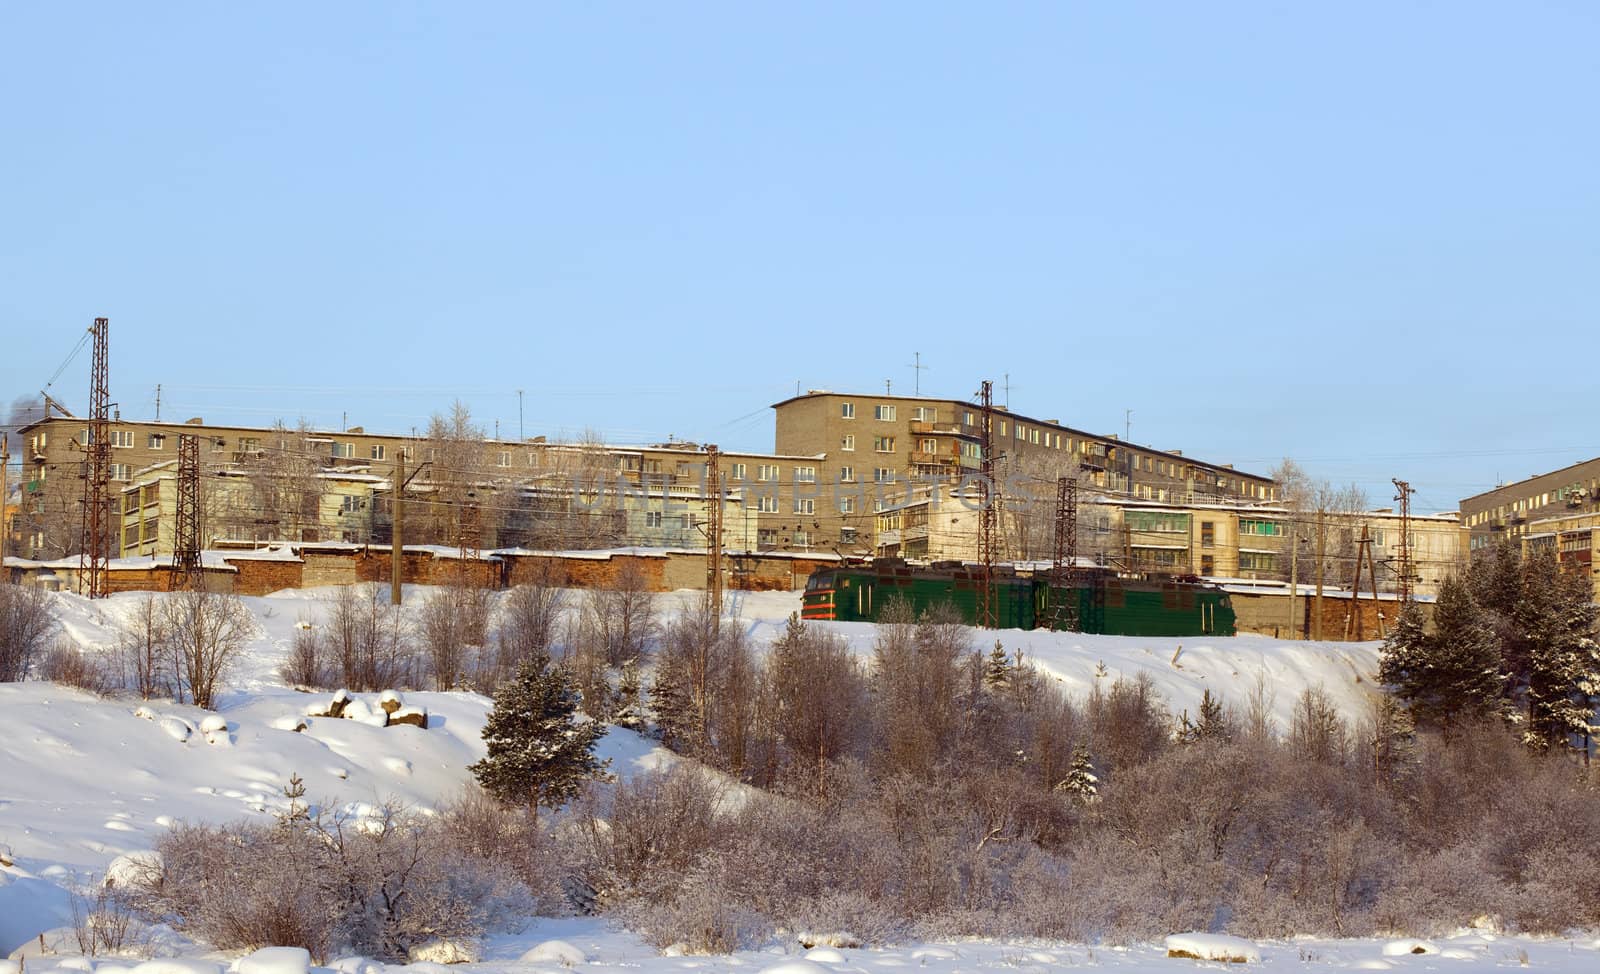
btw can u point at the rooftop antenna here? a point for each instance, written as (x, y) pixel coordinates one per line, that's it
(888, 387)
(520, 435)
(917, 369)
(1127, 425)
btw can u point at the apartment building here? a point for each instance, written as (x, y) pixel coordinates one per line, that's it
(1511, 511)
(1215, 540)
(869, 447)
(268, 484)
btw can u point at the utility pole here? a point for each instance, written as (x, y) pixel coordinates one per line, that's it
(397, 504)
(97, 478)
(187, 571)
(1322, 541)
(1294, 575)
(5, 525)
(158, 402)
(987, 616)
(1352, 615)
(1404, 497)
(521, 437)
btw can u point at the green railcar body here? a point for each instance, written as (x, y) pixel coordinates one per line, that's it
(1105, 602)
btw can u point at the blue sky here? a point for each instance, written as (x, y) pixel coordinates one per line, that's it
(1361, 235)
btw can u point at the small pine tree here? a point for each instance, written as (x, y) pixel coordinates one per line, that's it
(1563, 657)
(1404, 661)
(1081, 783)
(671, 709)
(538, 755)
(298, 811)
(627, 710)
(1212, 725)
(1391, 739)
(997, 671)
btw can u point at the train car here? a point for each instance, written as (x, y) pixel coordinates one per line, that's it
(1100, 601)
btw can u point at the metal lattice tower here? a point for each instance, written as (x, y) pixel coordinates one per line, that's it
(1404, 553)
(987, 519)
(95, 538)
(186, 570)
(1064, 569)
(713, 495)
(470, 538)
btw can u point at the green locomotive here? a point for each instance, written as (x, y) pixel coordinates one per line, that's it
(1096, 601)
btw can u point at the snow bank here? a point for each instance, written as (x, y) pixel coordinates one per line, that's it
(446, 952)
(1400, 948)
(798, 966)
(556, 952)
(1212, 946)
(178, 965)
(275, 960)
(131, 868)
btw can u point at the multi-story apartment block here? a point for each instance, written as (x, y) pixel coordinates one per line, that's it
(870, 447)
(1511, 511)
(1215, 540)
(275, 484)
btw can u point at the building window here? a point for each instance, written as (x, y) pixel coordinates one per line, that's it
(847, 475)
(847, 535)
(883, 475)
(1159, 522)
(504, 459)
(847, 410)
(802, 539)
(121, 471)
(652, 519)
(1208, 534)
(883, 412)
(848, 443)
(883, 444)
(928, 445)
(1263, 529)
(249, 444)
(767, 503)
(342, 450)
(1208, 565)
(1257, 561)
(378, 451)
(847, 505)
(122, 438)
(738, 471)
(805, 475)
(925, 414)
(767, 537)
(350, 504)
(805, 505)
(766, 472)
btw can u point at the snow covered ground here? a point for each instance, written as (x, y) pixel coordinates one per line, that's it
(85, 779)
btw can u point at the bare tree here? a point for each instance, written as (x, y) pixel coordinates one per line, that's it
(452, 626)
(208, 631)
(369, 638)
(618, 620)
(143, 647)
(530, 617)
(26, 624)
(455, 449)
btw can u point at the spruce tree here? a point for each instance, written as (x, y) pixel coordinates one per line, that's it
(1459, 676)
(997, 671)
(1081, 783)
(671, 708)
(538, 755)
(627, 710)
(1563, 658)
(1404, 663)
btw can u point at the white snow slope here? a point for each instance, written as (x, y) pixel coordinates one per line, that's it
(85, 779)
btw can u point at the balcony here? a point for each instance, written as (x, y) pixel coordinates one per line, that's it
(945, 429)
(922, 457)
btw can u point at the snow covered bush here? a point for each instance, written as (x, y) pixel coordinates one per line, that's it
(368, 639)
(206, 631)
(69, 665)
(378, 883)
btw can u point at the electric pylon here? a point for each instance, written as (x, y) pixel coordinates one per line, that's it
(1404, 554)
(713, 497)
(95, 539)
(186, 568)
